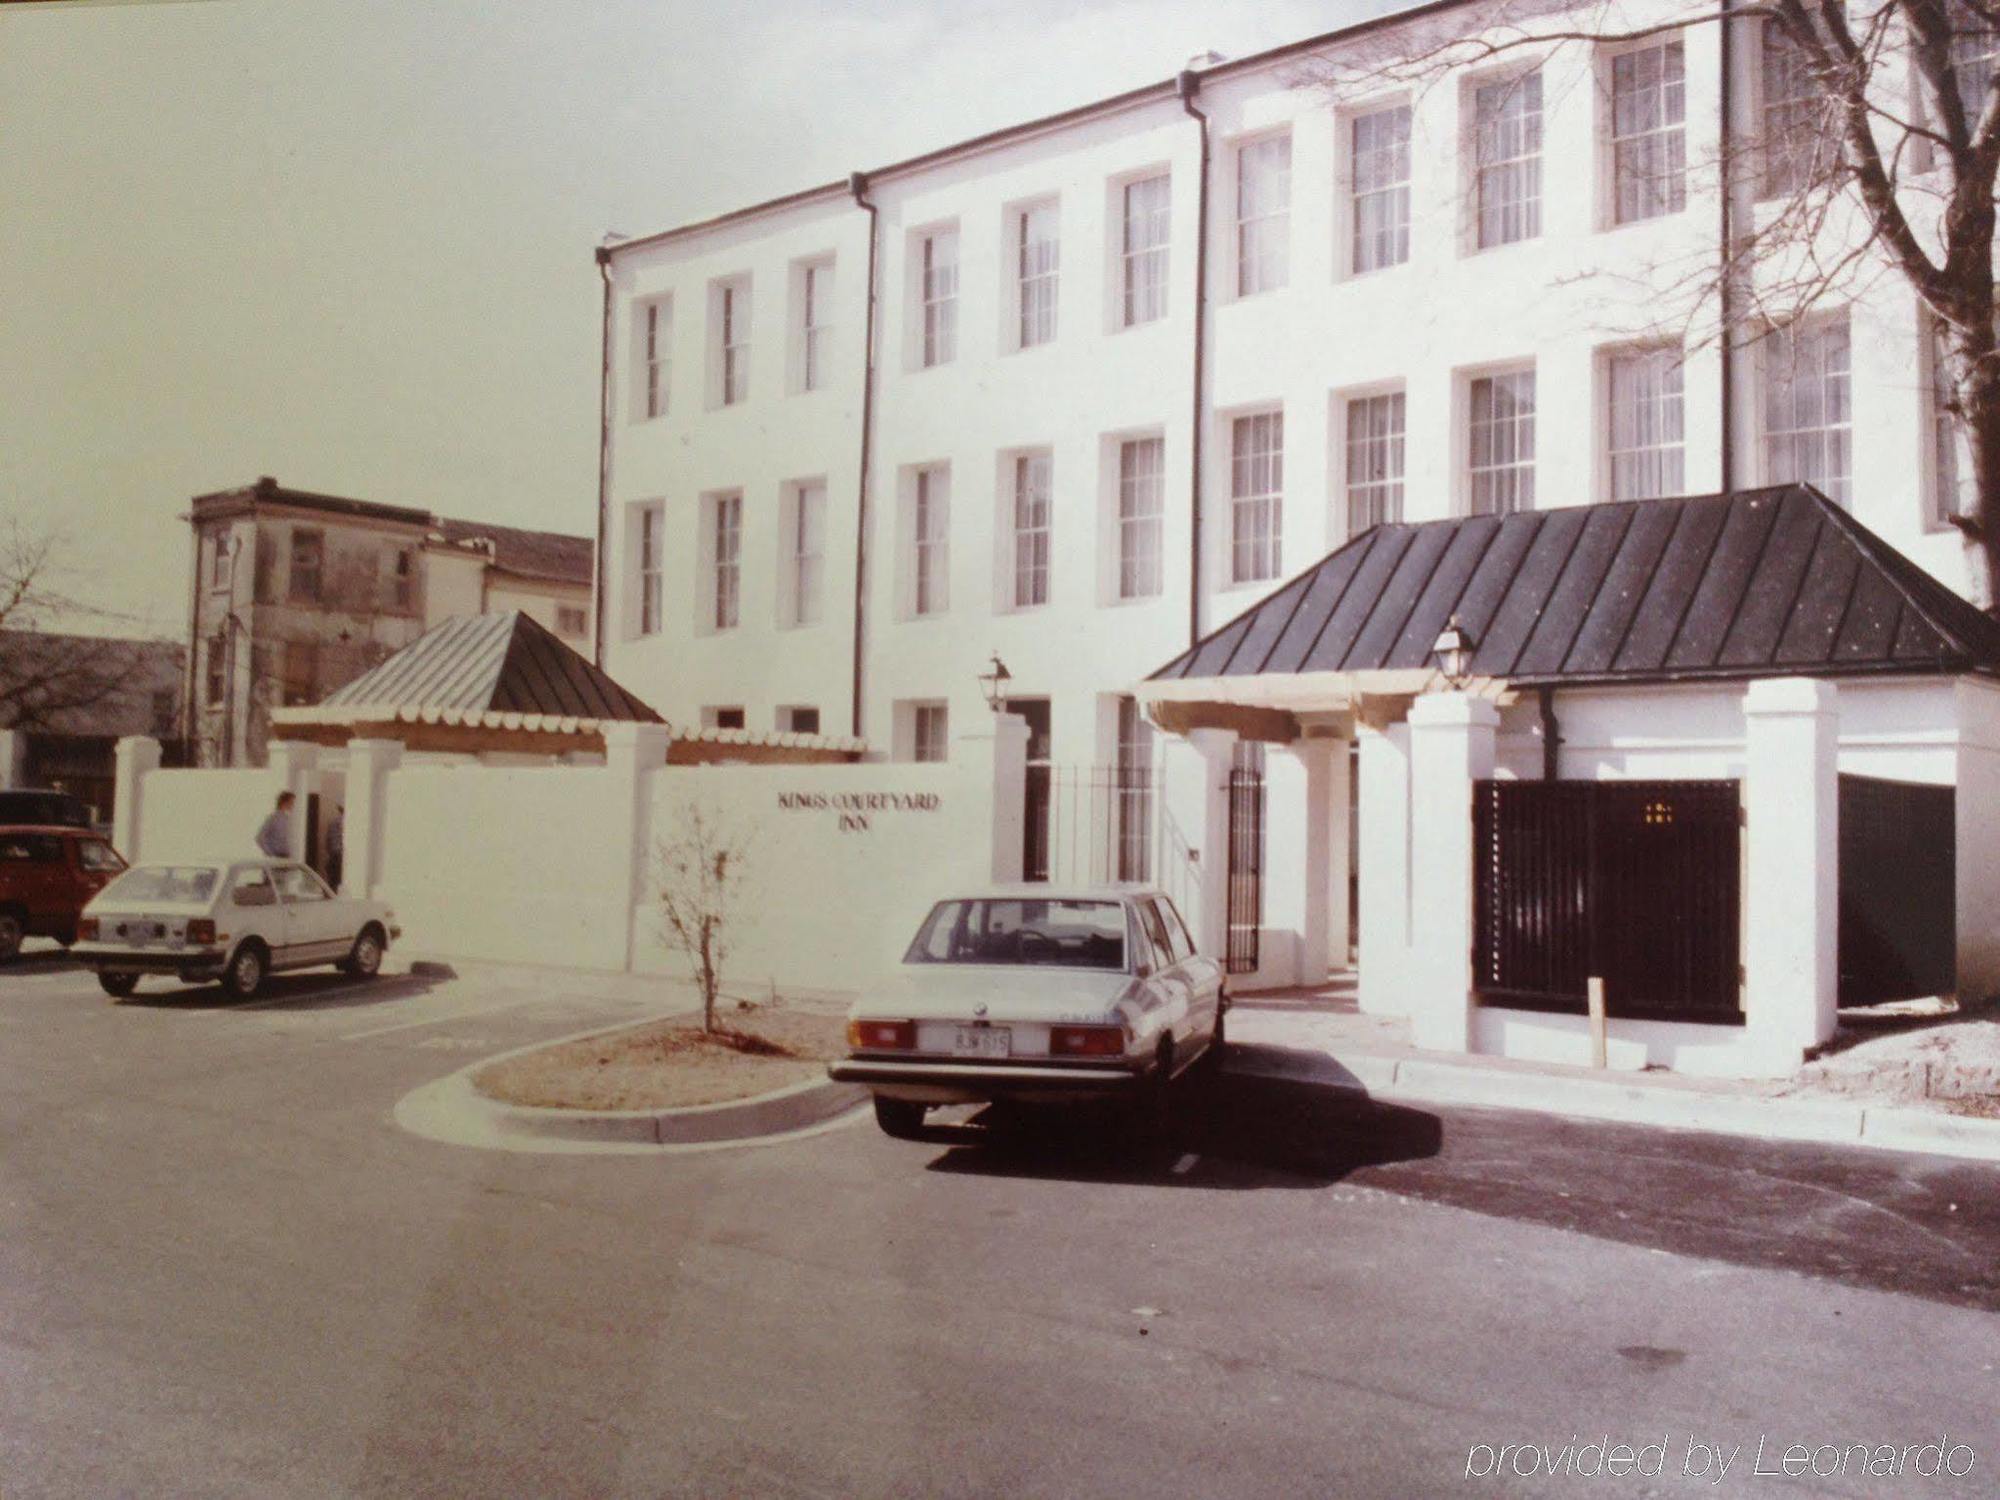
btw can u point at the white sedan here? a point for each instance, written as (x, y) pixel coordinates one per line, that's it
(232, 920)
(1037, 993)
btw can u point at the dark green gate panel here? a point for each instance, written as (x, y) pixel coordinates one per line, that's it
(1898, 890)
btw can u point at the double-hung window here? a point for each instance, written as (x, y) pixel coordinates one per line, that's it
(815, 307)
(1975, 53)
(733, 330)
(1374, 461)
(658, 331)
(1031, 529)
(1379, 179)
(1502, 443)
(652, 543)
(1807, 419)
(1135, 792)
(931, 539)
(1792, 114)
(1648, 132)
(1507, 152)
(1646, 442)
(1256, 496)
(1952, 492)
(218, 560)
(1263, 214)
(1144, 256)
(726, 551)
(1141, 516)
(938, 253)
(805, 556)
(928, 731)
(308, 563)
(1037, 251)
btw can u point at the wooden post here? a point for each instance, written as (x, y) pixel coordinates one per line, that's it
(1597, 1024)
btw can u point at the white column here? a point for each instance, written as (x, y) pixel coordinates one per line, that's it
(1339, 858)
(1298, 857)
(13, 758)
(1194, 844)
(1452, 742)
(364, 826)
(632, 752)
(996, 752)
(1976, 813)
(1791, 867)
(1384, 834)
(138, 757)
(290, 762)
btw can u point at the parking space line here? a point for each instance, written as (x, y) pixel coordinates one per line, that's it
(461, 1015)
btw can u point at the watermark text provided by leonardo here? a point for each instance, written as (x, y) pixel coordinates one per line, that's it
(1697, 1459)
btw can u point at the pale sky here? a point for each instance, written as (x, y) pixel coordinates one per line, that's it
(349, 244)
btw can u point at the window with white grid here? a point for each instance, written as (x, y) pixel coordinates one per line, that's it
(725, 541)
(815, 331)
(1507, 149)
(939, 256)
(1792, 112)
(734, 332)
(1031, 529)
(931, 539)
(1379, 174)
(1256, 496)
(1648, 132)
(1975, 52)
(1646, 443)
(805, 553)
(652, 541)
(1807, 419)
(1141, 516)
(658, 330)
(1037, 251)
(1263, 214)
(1951, 471)
(1374, 461)
(929, 727)
(1147, 219)
(1502, 443)
(1134, 792)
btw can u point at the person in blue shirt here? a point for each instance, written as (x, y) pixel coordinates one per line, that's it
(274, 835)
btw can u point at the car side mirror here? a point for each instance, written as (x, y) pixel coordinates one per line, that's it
(256, 895)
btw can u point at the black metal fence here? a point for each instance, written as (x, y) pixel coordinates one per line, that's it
(1898, 890)
(1092, 824)
(1246, 870)
(1637, 882)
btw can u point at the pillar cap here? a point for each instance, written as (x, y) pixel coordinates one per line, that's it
(1791, 695)
(1439, 710)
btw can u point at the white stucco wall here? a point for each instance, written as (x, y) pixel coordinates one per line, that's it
(189, 814)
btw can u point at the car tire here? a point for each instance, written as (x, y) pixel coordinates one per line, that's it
(901, 1118)
(245, 974)
(1218, 1043)
(364, 960)
(118, 986)
(1155, 1113)
(13, 928)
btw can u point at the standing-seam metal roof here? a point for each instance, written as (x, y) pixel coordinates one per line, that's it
(1750, 584)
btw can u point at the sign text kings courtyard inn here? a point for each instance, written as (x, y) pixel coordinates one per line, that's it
(856, 808)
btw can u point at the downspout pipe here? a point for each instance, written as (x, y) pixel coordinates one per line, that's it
(1725, 302)
(603, 463)
(1551, 734)
(1188, 85)
(857, 187)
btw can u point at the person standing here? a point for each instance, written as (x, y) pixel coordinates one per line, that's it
(336, 847)
(274, 835)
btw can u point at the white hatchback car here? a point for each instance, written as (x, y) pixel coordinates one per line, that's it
(232, 920)
(1036, 992)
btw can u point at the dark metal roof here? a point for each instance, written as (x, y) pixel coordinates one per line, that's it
(1751, 584)
(505, 662)
(553, 555)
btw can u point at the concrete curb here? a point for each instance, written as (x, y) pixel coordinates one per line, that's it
(1423, 1081)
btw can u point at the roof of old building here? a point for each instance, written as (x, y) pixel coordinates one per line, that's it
(1741, 585)
(501, 663)
(268, 491)
(553, 555)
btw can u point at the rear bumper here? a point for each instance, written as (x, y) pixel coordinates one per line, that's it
(103, 958)
(931, 1082)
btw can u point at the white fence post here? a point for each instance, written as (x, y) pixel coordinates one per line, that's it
(1453, 741)
(1384, 988)
(138, 758)
(364, 826)
(1000, 761)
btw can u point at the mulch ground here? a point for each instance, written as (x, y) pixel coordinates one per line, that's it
(666, 1064)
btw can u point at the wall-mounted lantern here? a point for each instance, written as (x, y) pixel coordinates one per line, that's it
(1453, 650)
(993, 683)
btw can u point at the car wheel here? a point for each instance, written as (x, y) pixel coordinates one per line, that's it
(118, 986)
(365, 961)
(12, 930)
(1156, 1100)
(245, 974)
(902, 1118)
(1218, 1044)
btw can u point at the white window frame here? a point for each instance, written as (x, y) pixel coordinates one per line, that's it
(1035, 247)
(1378, 178)
(930, 731)
(936, 285)
(1796, 439)
(1952, 490)
(1263, 215)
(656, 332)
(930, 541)
(802, 554)
(1974, 57)
(1646, 119)
(1134, 756)
(815, 328)
(649, 574)
(1139, 517)
(1644, 422)
(732, 341)
(1790, 114)
(1256, 496)
(1374, 426)
(1030, 527)
(1145, 227)
(1506, 117)
(722, 559)
(712, 715)
(1500, 446)
(786, 720)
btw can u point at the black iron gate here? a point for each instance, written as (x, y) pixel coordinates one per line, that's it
(1898, 890)
(1246, 869)
(1637, 882)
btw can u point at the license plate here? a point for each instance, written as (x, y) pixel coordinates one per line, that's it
(982, 1041)
(142, 932)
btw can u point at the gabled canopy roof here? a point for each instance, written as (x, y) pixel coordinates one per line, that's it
(1743, 585)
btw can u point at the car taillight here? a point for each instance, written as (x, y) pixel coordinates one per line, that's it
(201, 930)
(882, 1036)
(86, 928)
(1086, 1041)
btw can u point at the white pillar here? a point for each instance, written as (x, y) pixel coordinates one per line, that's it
(1299, 857)
(632, 752)
(365, 825)
(996, 753)
(138, 758)
(1976, 813)
(1384, 861)
(1339, 857)
(290, 762)
(13, 758)
(1791, 866)
(1194, 844)
(1452, 742)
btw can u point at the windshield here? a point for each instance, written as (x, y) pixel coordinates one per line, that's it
(1067, 934)
(181, 884)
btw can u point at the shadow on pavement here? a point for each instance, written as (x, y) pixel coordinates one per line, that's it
(36, 961)
(292, 992)
(1229, 1133)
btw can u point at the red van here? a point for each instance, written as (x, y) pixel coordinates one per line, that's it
(47, 874)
